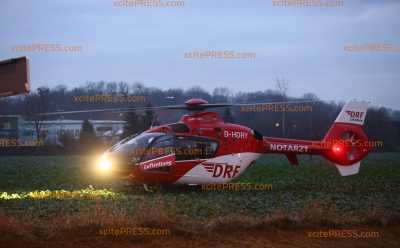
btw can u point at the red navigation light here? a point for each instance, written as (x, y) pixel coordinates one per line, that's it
(337, 148)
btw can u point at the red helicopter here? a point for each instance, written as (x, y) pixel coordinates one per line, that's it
(202, 149)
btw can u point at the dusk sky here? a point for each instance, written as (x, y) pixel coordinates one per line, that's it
(303, 44)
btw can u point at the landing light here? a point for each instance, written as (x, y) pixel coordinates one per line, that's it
(104, 163)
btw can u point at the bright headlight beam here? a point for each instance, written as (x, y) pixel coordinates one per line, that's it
(104, 163)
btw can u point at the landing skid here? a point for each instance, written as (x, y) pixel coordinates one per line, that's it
(146, 188)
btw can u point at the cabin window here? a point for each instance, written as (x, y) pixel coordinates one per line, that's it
(189, 148)
(179, 128)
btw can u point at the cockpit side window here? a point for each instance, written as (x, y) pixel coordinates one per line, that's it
(189, 148)
(161, 147)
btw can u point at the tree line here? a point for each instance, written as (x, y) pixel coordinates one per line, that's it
(381, 124)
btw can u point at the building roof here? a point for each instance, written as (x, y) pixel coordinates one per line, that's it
(81, 121)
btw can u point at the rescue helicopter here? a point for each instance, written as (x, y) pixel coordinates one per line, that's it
(203, 149)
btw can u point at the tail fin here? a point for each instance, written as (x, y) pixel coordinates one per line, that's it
(347, 140)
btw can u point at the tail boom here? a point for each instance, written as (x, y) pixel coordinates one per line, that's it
(341, 144)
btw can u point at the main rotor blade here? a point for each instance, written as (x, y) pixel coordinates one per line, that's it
(280, 102)
(198, 107)
(117, 110)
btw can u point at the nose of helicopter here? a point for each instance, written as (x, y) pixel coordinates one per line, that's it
(117, 164)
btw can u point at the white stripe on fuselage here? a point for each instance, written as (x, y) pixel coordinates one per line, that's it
(225, 168)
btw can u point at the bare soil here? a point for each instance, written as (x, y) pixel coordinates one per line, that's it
(266, 237)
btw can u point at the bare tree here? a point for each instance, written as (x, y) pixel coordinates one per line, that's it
(37, 102)
(282, 85)
(123, 88)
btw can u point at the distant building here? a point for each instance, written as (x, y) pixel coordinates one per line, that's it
(15, 127)
(73, 127)
(9, 126)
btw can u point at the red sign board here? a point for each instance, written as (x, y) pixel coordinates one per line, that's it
(14, 76)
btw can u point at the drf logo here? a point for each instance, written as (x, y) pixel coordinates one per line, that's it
(223, 170)
(355, 116)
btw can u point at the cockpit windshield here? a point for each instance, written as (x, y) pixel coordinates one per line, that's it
(135, 146)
